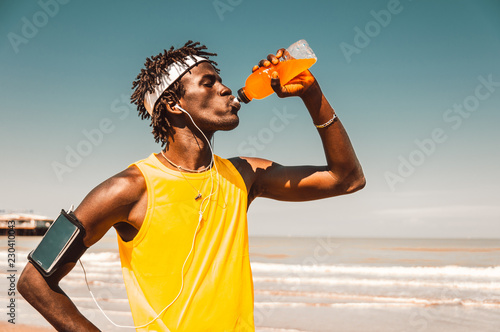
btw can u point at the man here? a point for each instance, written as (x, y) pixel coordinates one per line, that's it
(180, 214)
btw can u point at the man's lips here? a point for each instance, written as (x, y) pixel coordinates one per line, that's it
(235, 103)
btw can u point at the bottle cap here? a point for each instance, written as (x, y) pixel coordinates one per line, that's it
(242, 96)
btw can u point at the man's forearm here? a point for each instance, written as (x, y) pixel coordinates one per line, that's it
(341, 158)
(54, 305)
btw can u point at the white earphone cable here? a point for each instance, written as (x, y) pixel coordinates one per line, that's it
(201, 211)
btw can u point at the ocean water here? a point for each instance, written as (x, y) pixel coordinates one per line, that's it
(319, 284)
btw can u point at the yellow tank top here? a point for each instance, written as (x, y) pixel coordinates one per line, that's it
(217, 294)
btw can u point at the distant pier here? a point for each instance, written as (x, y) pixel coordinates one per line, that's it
(24, 223)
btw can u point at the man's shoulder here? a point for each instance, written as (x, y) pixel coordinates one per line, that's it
(235, 163)
(128, 184)
(131, 174)
(249, 165)
(112, 200)
(249, 169)
(130, 177)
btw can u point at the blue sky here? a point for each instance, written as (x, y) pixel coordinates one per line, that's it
(416, 84)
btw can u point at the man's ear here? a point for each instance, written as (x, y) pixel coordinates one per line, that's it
(172, 109)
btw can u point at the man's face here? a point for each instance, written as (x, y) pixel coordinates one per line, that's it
(207, 100)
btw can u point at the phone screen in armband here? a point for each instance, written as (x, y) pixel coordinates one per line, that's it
(56, 241)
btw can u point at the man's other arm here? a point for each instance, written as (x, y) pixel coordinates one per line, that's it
(342, 174)
(114, 201)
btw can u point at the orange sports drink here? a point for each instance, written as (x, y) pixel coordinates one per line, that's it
(258, 84)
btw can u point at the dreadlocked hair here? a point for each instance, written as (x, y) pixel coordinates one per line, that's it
(149, 78)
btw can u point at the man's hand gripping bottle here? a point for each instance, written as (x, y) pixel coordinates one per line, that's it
(297, 58)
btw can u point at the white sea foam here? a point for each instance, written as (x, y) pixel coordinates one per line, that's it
(355, 298)
(373, 304)
(332, 305)
(102, 257)
(380, 282)
(273, 329)
(93, 282)
(492, 272)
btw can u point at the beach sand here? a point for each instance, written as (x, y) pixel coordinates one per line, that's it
(7, 327)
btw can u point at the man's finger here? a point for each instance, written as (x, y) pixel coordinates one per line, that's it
(276, 84)
(264, 63)
(287, 54)
(273, 59)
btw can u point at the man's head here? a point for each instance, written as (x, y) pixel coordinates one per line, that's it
(209, 102)
(192, 80)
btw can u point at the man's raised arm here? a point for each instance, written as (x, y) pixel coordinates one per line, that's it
(342, 174)
(116, 199)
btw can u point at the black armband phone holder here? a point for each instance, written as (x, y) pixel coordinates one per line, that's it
(61, 244)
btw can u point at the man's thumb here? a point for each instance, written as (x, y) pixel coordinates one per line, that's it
(276, 83)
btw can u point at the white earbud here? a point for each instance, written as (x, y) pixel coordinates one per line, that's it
(180, 108)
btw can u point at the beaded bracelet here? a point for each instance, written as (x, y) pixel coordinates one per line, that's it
(326, 124)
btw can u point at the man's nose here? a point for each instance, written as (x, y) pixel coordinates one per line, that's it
(225, 91)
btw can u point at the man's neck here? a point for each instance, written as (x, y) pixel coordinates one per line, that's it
(187, 150)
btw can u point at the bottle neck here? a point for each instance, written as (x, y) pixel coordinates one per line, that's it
(243, 96)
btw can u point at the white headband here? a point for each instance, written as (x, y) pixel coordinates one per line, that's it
(174, 71)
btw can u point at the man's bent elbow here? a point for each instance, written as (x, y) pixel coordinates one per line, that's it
(346, 184)
(23, 283)
(357, 184)
(352, 182)
(29, 282)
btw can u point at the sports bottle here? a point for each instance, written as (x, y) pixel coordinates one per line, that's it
(258, 84)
